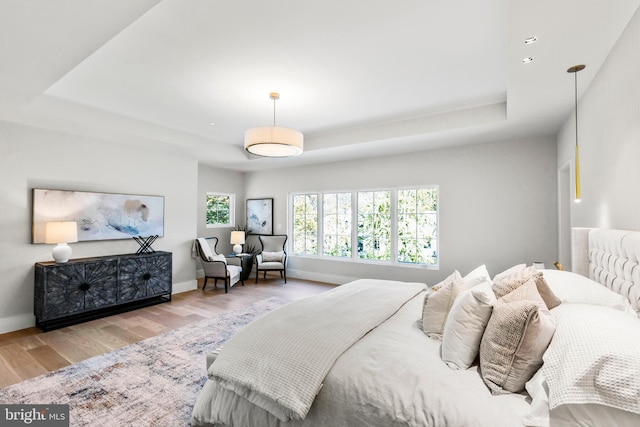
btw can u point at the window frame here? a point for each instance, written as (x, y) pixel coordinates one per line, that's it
(232, 209)
(394, 237)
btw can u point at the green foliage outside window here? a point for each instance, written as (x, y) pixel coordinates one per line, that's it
(417, 226)
(305, 224)
(336, 224)
(374, 225)
(218, 209)
(414, 222)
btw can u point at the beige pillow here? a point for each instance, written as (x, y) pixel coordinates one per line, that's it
(506, 282)
(517, 335)
(438, 303)
(272, 256)
(516, 269)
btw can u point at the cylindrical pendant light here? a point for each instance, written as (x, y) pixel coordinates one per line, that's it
(273, 141)
(575, 70)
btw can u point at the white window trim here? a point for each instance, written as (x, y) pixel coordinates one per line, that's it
(232, 209)
(354, 229)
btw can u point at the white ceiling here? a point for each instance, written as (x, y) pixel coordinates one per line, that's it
(356, 76)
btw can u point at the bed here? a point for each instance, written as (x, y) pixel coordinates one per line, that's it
(385, 353)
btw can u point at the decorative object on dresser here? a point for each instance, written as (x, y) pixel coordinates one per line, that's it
(60, 233)
(89, 288)
(145, 244)
(100, 216)
(237, 240)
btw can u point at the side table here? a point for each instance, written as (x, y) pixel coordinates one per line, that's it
(246, 262)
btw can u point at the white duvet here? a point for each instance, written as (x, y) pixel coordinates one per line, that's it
(393, 376)
(279, 362)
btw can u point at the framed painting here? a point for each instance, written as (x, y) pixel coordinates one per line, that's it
(100, 216)
(260, 216)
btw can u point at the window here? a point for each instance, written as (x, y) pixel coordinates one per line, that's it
(305, 224)
(220, 210)
(336, 224)
(417, 226)
(374, 225)
(391, 226)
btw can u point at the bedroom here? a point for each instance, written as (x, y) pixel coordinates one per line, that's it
(513, 177)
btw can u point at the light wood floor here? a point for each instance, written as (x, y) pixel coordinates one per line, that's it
(30, 352)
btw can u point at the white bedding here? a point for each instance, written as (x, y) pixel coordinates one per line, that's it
(280, 362)
(392, 377)
(590, 362)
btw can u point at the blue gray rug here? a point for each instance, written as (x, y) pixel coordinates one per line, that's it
(154, 382)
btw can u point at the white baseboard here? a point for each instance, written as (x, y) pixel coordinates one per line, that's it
(189, 285)
(320, 277)
(15, 323)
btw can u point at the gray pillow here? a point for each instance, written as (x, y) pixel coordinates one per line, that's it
(272, 256)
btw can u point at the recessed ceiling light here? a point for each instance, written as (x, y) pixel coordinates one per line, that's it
(212, 123)
(531, 40)
(527, 60)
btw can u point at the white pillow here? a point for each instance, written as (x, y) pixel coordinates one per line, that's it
(574, 288)
(465, 325)
(477, 276)
(218, 257)
(539, 410)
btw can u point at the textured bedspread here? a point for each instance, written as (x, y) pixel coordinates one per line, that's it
(279, 363)
(392, 377)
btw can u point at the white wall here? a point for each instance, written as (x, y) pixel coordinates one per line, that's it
(609, 140)
(38, 158)
(214, 180)
(497, 205)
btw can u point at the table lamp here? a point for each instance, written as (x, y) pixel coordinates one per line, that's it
(61, 233)
(237, 240)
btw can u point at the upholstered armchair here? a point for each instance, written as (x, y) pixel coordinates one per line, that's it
(273, 256)
(215, 265)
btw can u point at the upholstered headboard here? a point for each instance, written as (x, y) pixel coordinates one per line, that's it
(611, 258)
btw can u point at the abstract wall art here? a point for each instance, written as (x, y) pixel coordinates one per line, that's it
(260, 216)
(100, 216)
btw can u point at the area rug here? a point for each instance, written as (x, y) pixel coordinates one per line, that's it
(154, 382)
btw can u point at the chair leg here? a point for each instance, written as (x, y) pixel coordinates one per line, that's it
(205, 283)
(285, 275)
(257, 271)
(226, 285)
(242, 281)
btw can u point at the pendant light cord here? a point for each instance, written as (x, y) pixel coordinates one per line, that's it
(575, 95)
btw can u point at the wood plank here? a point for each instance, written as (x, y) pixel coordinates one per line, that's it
(21, 362)
(42, 352)
(48, 358)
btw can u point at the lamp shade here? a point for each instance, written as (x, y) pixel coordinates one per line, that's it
(237, 238)
(61, 232)
(273, 141)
